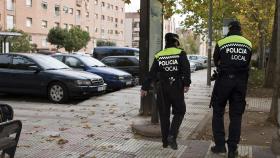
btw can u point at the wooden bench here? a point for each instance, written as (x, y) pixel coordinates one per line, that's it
(8, 142)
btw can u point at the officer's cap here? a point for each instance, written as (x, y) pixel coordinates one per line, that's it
(171, 37)
(234, 25)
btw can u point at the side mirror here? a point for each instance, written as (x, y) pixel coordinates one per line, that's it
(34, 68)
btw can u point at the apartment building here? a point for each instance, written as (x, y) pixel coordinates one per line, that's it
(103, 19)
(132, 28)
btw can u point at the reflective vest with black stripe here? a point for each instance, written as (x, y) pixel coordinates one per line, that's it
(234, 54)
(169, 61)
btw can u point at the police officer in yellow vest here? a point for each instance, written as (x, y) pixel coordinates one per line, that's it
(171, 71)
(232, 57)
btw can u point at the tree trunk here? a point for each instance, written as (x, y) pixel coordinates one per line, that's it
(276, 84)
(270, 68)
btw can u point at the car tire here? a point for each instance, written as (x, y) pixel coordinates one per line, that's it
(57, 92)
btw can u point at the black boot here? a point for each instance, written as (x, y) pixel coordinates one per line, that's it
(164, 145)
(232, 153)
(218, 149)
(172, 142)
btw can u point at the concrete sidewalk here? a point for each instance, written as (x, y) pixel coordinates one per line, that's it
(101, 127)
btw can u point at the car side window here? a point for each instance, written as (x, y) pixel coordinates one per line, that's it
(60, 58)
(134, 61)
(5, 61)
(110, 61)
(21, 63)
(73, 62)
(124, 62)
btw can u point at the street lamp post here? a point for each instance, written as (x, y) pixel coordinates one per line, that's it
(209, 42)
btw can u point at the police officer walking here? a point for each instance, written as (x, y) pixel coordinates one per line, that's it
(171, 71)
(232, 57)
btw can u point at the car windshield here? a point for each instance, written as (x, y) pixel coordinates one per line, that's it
(49, 63)
(92, 62)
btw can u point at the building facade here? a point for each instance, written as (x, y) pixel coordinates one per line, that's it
(132, 28)
(103, 19)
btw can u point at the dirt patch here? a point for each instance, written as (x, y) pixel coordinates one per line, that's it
(260, 92)
(256, 130)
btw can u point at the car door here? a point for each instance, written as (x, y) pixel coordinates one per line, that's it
(126, 64)
(74, 63)
(23, 78)
(5, 75)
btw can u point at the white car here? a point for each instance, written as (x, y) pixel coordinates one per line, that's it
(198, 59)
(192, 66)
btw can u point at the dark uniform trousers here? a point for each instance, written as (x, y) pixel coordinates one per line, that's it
(232, 88)
(170, 95)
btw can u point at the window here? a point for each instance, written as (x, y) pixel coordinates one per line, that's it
(108, 18)
(102, 17)
(96, 16)
(125, 62)
(65, 26)
(87, 28)
(56, 24)
(112, 19)
(87, 14)
(78, 14)
(28, 22)
(122, 10)
(28, 3)
(57, 10)
(44, 42)
(96, 30)
(71, 11)
(10, 4)
(44, 5)
(60, 58)
(73, 62)
(96, 2)
(102, 31)
(116, 32)
(122, 21)
(108, 6)
(44, 24)
(103, 4)
(116, 19)
(65, 9)
(117, 8)
(21, 63)
(10, 22)
(110, 61)
(5, 61)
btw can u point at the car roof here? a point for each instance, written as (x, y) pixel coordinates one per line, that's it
(72, 55)
(114, 47)
(24, 54)
(121, 56)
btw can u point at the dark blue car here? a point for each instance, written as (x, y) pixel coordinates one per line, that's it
(114, 78)
(43, 75)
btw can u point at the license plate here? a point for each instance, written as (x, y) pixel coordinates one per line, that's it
(128, 83)
(100, 89)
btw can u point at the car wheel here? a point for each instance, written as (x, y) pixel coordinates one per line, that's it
(57, 92)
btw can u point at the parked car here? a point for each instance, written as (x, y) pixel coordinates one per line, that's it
(129, 64)
(101, 52)
(192, 66)
(199, 59)
(114, 78)
(43, 75)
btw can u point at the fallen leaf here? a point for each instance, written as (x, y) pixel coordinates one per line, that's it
(112, 123)
(63, 129)
(90, 135)
(72, 110)
(87, 126)
(62, 141)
